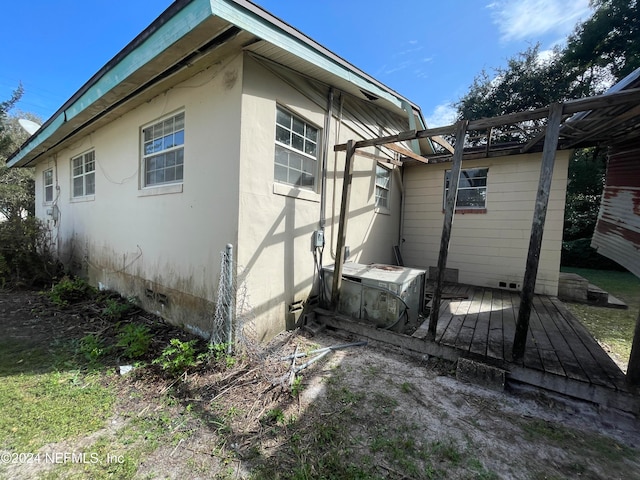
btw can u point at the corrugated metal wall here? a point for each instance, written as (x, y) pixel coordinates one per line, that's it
(617, 234)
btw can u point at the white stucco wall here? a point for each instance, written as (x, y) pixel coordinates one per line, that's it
(274, 247)
(166, 240)
(166, 244)
(487, 248)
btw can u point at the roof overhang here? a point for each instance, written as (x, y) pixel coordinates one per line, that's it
(188, 37)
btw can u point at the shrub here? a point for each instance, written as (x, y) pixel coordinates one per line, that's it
(115, 309)
(135, 339)
(579, 253)
(178, 356)
(68, 291)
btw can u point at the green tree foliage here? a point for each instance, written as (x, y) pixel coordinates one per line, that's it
(24, 242)
(608, 40)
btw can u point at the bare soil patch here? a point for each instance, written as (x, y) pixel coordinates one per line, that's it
(362, 412)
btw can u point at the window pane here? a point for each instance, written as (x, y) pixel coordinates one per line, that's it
(90, 183)
(310, 148)
(170, 175)
(295, 177)
(282, 135)
(170, 159)
(48, 193)
(281, 174)
(297, 142)
(180, 156)
(179, 172)
(298, 126)
(309, 166)
(282, 156)
(472, 188)
(295, 162)
(312, 134)
(179, 138)
(283, 118)
(179, 121)
(78, 185)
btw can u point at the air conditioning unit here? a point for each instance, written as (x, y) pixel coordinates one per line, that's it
(387, 296)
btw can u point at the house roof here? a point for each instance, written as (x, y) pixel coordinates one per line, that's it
(186, 38)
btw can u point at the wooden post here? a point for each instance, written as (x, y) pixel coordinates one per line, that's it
(342, 225)
(450, 207)
(633, 369)
(537, 229)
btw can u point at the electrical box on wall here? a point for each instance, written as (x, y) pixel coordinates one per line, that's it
(318, 238)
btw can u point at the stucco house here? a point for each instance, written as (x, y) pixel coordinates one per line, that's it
(215, 126)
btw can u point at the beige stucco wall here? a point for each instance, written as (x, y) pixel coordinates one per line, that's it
(277, 223)
(165, 241)
(487, 248)
(166, 244)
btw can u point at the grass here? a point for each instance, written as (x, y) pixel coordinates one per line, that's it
(611, 327)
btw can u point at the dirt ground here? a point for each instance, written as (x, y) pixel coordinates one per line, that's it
(216, 425)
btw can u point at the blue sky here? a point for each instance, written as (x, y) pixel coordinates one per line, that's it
(427, 50)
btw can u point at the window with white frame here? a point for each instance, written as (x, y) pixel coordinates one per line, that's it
(472, 188)
(163, 151)
(47, 181)
(296, 161)
(83, 173)
(383, 185)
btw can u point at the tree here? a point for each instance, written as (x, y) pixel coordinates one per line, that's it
(17, 195)
(608, 40)
(24, 248)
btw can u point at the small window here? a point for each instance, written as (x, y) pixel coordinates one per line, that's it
(296, 151)
(163, 151)
(472, 189)
(83, 174)
(47, 180)
(383, 184)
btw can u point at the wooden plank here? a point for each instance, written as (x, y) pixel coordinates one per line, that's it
(378, 158)
(459, 310)
(405, 151)
(467, 329)
(407, 342)
(576, 360)
(538, 338)
(531, 358)
(537, 229)
(423, 330)
(495, 341)
(481, 331)
(342, 225)
(601, 369)
(446, 226)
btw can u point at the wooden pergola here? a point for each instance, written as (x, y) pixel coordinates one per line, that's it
(603, 120)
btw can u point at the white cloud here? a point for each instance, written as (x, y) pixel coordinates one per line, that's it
(527, 19)
(443, 114)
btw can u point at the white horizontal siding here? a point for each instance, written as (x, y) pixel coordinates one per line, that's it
(487, 248)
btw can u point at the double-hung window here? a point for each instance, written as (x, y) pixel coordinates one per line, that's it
(163, 151)
(472, 189)
(47, 181)
(83, 172)
(383, 184)
(296, 161)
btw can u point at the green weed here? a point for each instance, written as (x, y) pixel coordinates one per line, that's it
(68, 291)
(134, 339)
(178, 356)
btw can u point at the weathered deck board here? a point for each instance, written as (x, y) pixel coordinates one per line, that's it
(538, 337)
(481, 331)
(495, 341)
(598, 360)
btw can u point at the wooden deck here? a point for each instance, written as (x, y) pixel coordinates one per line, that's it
(479, 323)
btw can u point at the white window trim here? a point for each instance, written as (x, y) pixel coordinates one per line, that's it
(44, 187)
(85, 195)
(159, 188)
(288, 189)
(382, 209)
(463, 207)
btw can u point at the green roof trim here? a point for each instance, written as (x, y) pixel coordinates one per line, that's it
(263, 28)
(169, 33)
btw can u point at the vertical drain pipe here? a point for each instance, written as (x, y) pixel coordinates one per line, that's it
(325, 156)
(228, 278)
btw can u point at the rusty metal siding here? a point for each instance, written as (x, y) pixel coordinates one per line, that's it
(617, 234)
